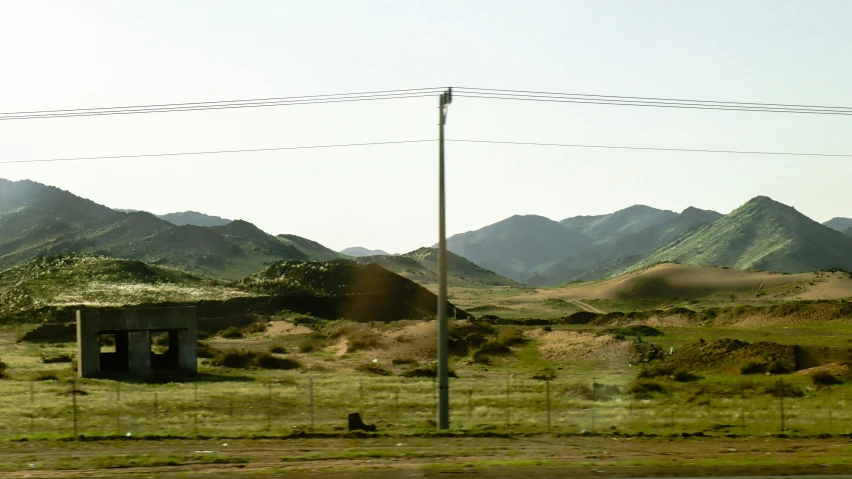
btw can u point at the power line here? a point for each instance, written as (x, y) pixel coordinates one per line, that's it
(207, 106)
(217, 152)
(496, 142)
(540, 93)
(688, 150)
(641, 103)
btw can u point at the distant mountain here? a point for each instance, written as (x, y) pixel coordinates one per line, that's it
(589, 264)
(361, 251)
(839, 224)
(762, 234)
(612, 227)
(848, 231)
(421, 265)
(310, 248)
(516, 245)
(193, 218)
(38, 220)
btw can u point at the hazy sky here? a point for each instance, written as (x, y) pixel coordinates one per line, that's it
(109, 53)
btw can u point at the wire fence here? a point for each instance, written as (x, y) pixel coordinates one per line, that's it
(321, 404)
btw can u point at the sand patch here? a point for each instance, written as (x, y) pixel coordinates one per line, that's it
(286, 327)
(560, 346)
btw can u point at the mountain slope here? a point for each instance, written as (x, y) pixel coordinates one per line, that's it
(38, 220)
(839, 224)
(361, 251)
(762, 234)
(310, 248)
(516, 245)
(421, 265)
(642, 241)
(612, 227)
(193, 218)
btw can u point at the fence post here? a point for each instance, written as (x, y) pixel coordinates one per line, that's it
(74, 405)
(470, 403)
(118, 408)
(396, 404)
(508, 402)
(547, 386)
(311, 387)
(781, 394)
(195, 410)
(32, 408)
(830, 429)
(156, 416)
(268, 407)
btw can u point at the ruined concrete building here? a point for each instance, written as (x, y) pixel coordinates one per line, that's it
(120, 342)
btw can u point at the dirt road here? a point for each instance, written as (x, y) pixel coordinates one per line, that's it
(391, 457)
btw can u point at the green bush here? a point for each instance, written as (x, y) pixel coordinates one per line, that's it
(234, 359)
(277, 349)
(255, 328)
(511, 337)
(203, 350)
(825, 378)
(685, 376)
(311, 342)
(430, 372)
(46, 376)
(644, 389)
(359, 340)
(2, 366)
(231, 333)
(788, 390)
(268, 361)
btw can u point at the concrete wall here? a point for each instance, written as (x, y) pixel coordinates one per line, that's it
(139, 323)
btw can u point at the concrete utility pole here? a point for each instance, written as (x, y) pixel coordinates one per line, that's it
(443, 352)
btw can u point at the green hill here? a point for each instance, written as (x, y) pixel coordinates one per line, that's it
(421, 265)
(614, 226)
(839, 224)
(310, 248)
(589, 264)
(345, 289)
(29, 291)
(193, 218)
(516, 245)
(762, 234)
(38, 220)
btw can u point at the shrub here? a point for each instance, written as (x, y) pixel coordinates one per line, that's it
(657, 370)
(268, 361)
(787, 390)
(547, 374)
(277, 349)
(685, 377)
(644, 389)
(255, 328)
(2, 366)
(46, 376)
(203, 350)
(825, 378)
(371, 368)
(61, 358)
(234, 359)
(359, 340)
(757, 367)
(310, 342)
(401, 361)
(511, 337)
(427, 372)
(481, 357)
(231, 333)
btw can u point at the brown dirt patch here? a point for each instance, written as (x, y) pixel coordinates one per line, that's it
(561, 346)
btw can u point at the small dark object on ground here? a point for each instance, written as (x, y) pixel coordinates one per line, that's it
(277, 349)
(61, 358)
(356, 424)
(401, 361)
(426, 373)
(46, 376)
(371, 368)
(268, 361)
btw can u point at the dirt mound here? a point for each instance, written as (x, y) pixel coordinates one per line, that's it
(731, 355)
(560, 346)
(839, 370)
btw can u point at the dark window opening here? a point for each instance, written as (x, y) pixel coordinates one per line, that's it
(165, 349)
(114, 351)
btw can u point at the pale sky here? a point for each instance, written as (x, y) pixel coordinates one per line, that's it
(111, 53)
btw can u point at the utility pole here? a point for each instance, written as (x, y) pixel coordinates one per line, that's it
(443, 351)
